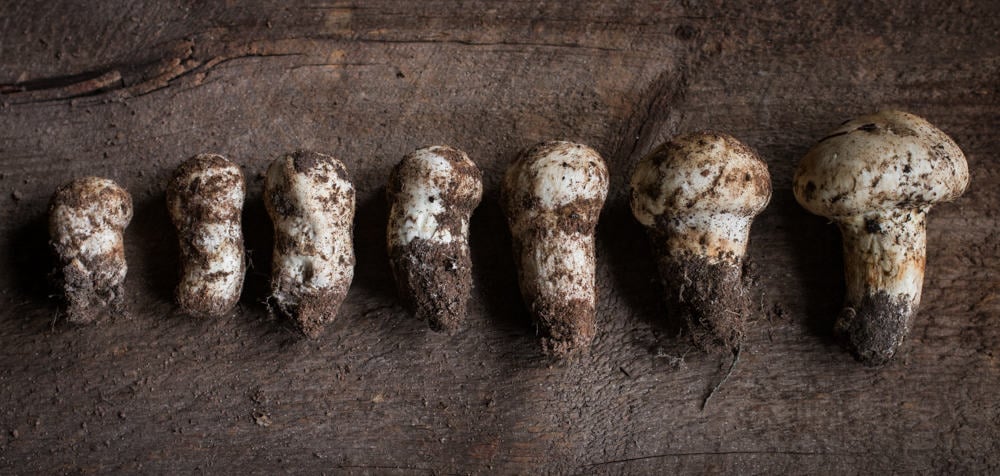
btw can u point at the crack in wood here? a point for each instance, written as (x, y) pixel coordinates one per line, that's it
(139, 80)
(723, 453)
(575, 46)
(62, 87)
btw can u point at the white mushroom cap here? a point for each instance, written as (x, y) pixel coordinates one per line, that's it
(426, 183)
(87, 217)
(705, 188)
(890, 159)
(554, 174)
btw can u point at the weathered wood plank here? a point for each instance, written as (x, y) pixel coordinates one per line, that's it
(129, 90)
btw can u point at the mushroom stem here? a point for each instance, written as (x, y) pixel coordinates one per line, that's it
(702, 273)
(717, 236)
(884, 257)
(563, 303)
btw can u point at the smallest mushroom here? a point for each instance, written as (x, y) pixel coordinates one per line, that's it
(86, 220)
(698, 195)
(432, 193)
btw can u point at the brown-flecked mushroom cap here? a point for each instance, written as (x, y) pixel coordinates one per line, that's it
(94, 195)
(705, 187)
(890, 159)
(700, 172)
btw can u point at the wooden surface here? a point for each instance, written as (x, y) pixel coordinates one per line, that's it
(129, 90)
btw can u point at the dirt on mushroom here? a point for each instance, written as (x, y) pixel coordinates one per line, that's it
(86, 220)
(697, 194)
(552, 196)
(432, 193)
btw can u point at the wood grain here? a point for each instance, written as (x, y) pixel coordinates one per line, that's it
(128, 90)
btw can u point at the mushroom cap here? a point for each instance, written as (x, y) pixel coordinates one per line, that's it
(445, 171)
(554, 174)
(206, 187)
(701, 172)
(883, 160)
(96, 197)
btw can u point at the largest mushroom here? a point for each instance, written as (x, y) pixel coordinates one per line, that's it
(877, 176)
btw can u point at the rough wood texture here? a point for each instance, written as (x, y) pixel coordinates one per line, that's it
(130, 90)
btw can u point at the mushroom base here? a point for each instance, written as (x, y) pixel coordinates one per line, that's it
(875, 329)
(565, 325)
(709, 296)
(434, 280)
(557, 279)
(310, 313)
(91, 297)
(197, 302)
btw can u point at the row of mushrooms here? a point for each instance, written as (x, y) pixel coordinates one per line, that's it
(697, 194)
(876, 176)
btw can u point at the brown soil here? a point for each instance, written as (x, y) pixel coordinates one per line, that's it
(92, 297)
(710, 298)
(566, 326)
(311, 312)
(874, 330)
(434, 280)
